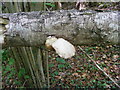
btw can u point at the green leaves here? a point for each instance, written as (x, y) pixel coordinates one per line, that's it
(51, 65)
(34, 2)
(50, 4)
(1, 51)
(18, 82)
(21, 72)
(61, 66)
(11, 61)
(56, 72)
(8, 68)
(4, 55)
(26, 77)
(60, 60)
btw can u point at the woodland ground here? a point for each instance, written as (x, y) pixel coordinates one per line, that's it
(79, 71)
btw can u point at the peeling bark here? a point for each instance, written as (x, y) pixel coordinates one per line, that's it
(89, 27)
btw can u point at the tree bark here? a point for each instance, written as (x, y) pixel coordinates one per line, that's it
(89, 27)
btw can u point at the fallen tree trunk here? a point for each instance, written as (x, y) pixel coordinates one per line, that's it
(32, 28)
(89, 27)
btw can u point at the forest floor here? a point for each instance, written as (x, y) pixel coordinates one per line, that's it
(79, 71)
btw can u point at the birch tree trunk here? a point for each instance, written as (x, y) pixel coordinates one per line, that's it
(32, 28)
(89, 27)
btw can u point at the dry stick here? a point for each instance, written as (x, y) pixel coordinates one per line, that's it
(45, 65)
(26, 65)
(29, 65)
(99, 67)
(32, 61)
(39, 61)
(46, 54)
(24, 83)
(36, 70)
(12, 53)
(22, 58)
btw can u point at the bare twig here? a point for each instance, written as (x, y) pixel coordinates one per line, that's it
(40, 64)
(47, 69)
(25, 53)
(99, 67)
(24, 83)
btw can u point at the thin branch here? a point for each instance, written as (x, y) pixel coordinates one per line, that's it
(99, 67)
(25, 50)
(24, 83)
(47, 67)
(39, 61)
(37, 75)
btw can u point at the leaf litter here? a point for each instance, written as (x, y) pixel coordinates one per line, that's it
(80, 71)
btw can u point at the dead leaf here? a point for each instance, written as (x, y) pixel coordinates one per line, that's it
(115, 57)
(58, 77)
(104, 56)
(106, 61)
(84, 75)
(98, 62)
(75, 74)
(97, 47)
(105, 69)
(62, 74)
(74, 60)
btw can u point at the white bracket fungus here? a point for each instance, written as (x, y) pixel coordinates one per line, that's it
(62, 47)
